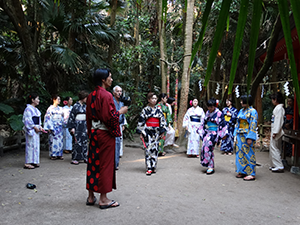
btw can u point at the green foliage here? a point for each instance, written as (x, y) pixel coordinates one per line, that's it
(6, 108)
(15, 122)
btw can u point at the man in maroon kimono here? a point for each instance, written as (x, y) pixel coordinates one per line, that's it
(103, 126)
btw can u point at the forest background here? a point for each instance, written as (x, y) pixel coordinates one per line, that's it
(53, 47)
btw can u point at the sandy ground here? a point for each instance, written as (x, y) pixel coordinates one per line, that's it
(179, 193)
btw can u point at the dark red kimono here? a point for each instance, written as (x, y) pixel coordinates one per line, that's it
(101, 155)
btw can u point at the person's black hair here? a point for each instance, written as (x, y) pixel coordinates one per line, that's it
(212, 102)
(247, 99)
(99, 75)
(162, 95)
(82, 95)
(67, 98)
(170, 100)
(54, 97)
(291, 97)
(278, 97)
(30, 97)
(150, 95)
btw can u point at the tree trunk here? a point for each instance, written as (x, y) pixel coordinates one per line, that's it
(185, 80)
(269, 58)
(13, 9)
(162, 47)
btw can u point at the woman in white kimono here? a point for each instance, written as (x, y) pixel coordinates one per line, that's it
(191, 122)
(54, 120)
(32, 128)
(67, 136)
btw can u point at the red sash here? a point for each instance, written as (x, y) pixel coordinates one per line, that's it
(152, 122)
(289, 117)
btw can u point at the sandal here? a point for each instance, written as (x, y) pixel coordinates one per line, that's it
(53, 158)
(28, 166)
(249, 178)
(210, 171)
(35, 165)
(241, 175)
(60, 157)
(74, 162)
(148, 173)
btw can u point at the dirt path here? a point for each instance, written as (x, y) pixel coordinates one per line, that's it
(180, 193)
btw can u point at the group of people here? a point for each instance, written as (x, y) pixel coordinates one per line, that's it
(104, 117)
(61, 124)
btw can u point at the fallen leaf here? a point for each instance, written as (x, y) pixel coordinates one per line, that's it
(29, 198)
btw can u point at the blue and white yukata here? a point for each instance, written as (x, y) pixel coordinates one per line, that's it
(211, 131)
(77, 120)
(54, 120)
(246, 129)
(119, 140)
(67, 135)
(192, 120)
(31, 119)
(227, 144)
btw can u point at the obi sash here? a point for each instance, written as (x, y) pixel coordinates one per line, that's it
(289, 116)
(152, 122)
(96, 124)
(227, 118)
(195, 119)
(212, 126)
(36, 120)
(165, 115)
(244, 124)
(80, 117)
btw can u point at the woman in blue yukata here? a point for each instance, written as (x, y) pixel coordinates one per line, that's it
(32, 128)
(54, 120)
(67, 136)
(245, 131)
(211, 130)
(230, 114)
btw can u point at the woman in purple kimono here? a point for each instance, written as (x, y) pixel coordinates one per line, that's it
(32, 128)
(212, 129)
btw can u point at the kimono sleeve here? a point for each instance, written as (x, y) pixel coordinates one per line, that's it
(48, 123)
(233, 119)
(109, 116)
(28, 122)
(71, 121)
(222, 127)
(141, 123)
(186, 119)
(252, 125)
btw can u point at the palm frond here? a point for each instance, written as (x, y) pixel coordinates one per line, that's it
(66, 58)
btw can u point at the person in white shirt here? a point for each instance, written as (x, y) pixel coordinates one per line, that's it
(276, 133)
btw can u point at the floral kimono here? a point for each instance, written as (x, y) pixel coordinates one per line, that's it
(246, 129)
(67, 135)
(192, 120)
(54, 121)
(151, 125)
(212, 129)
(227, 144)
(77, 120)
